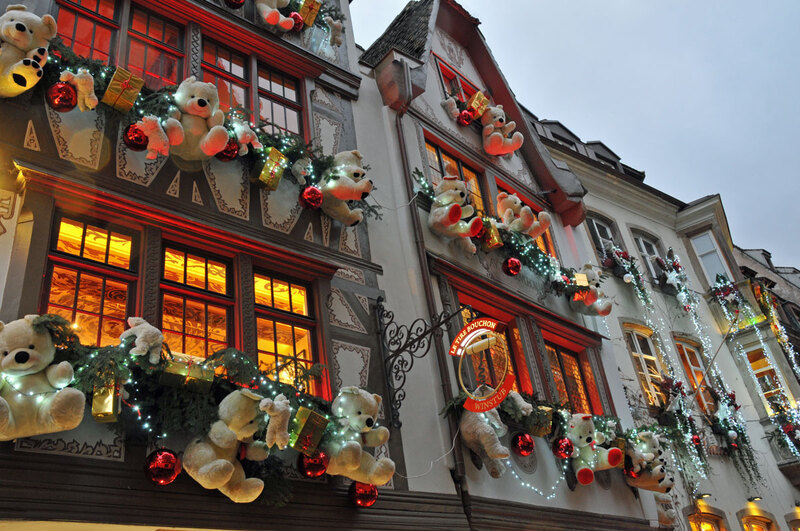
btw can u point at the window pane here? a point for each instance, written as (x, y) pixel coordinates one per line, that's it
(591, 386)
(216, 277)
(62, 287)
(172, 313)
(299, 303)
(116, 300)
(285, 339)
(555, 370)
(266, 334)
(433, 163)
(70, 235)
(703, 243)
(173, 265)
(88, 326)
(111, 330)
(195, 318)
(574, 382)
(95, 243)
(280, 291)
(713, 266)
(302, 344)
(196, 272)
(119, 251)
(217, 323)
(90, 293)
(263, 287)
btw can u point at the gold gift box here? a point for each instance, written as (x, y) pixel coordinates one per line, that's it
(492, 239)
(309, 11)
(308, 430)
(272, 172)
(189, 371)
(477, 104)
(122, 91)
(544, 429)
(105, 403)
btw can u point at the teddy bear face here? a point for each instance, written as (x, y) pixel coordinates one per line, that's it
(27, 31)
(197, 98)
(22, 350)
(591, 275)
(505, 202)
(649, 444)
(239, 411)
(451, 191)
(494, 116)
(357, 409)
(349, 163)
(581, 430)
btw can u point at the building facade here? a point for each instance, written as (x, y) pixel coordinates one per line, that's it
(96, 232)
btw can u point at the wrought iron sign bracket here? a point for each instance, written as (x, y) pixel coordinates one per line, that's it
(401, 346)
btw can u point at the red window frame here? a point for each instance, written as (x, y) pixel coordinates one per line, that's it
(74, 14)
(545, 241)
(214, 73)
(582, 396)
(274, 89)
(454, 83)
(440, 167)
(153, 43)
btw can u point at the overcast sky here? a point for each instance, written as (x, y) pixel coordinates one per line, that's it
(701, 95)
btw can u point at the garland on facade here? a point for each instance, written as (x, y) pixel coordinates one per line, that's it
(769, 306)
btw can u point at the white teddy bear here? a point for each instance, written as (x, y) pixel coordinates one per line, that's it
(148, 339)
(157, 140)
(481, 432)
(268, 9)
(450, 107)
(336, 30)
(301, 170)
(24, 38)
(357, 412)
(592, 302)
(496, 131)
(587, 457)
(345, 182)
(520, 218)
(213, 460)
(195, 129)
(279, 411)
(34, 397)
(244, 136)
(648, 466)
(83, 82)
(449, 210)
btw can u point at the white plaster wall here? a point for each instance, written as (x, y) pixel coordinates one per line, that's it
(7, 242)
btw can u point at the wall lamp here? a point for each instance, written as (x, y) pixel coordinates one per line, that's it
(703, 495)
(754, 498)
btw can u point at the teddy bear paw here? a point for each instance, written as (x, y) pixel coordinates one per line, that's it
(39, 55)
(383, 472)
(215, 141)
(614, 456)
(246, 491)
(26, 73)
(496, 468)
(350, 455)
(585, 475)
(356, 216)
(66, 409)
(215, 474)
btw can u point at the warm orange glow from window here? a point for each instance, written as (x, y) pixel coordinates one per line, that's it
(280, 295)
(193, 327)
(195, 271)
(283, 350)
(94, 243)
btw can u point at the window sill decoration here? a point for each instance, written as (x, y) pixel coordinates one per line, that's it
(160, 122)
(494, 127)
(180, 395)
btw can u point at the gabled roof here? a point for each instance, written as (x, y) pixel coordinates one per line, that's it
(408, 33)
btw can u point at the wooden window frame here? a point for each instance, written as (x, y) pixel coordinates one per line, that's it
(479, 175)
(545, 242)
(273, 97)
(702, 399)
(580, 357)
(640, 240)
(647, 334)
(717, 249)
(230, 77)
(783, 384)
(464, 82)
(120, 11)
(150, 42)
(592, 219)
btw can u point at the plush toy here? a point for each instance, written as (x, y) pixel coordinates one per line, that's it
(345, 182)
(646, 464)
(451, 107)
(301, 170)
(496, 131)
(279, 412)
(357, 411)
(149, 339)
(245, 136)
(592, 302)
(83, 82)
(34, 397)
(666, 510)
(195, 129)
(157, 140)
(268, 9)
(336, 30)
(213, 461)
(587, 457)
(449, 210)
(520, 218)
(481, 432)
(24, 38)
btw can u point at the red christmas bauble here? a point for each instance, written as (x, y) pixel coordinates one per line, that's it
(788, 428)
(696, 440)
(464, 118)
(734, 446)
(363, 494)
(313, 466)
(230, 151)
(512, 266)
(134, 138)
(299, 23)
(234, 4)
(162, 466)
(62, 97)
(562, 448)
(523, 444)
(311, 197)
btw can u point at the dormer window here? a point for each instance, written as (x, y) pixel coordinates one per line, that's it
(564, 141)
(454, 83)
(606, 161)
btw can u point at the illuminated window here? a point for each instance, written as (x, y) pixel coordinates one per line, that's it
(440, 164)
(230, 73)
(575, 383)
(88, 27)
(705, 522)
(648, 366)
(695, 371)
(707, 250)
(453, 82)
(648, 251)
(89, 280)
(195, 307)
(285, 331)
(279, 101)
(757, 523)
(155, 49)
(545, 241)
(773, 392)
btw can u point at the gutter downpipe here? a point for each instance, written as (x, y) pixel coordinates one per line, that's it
(441, 355)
